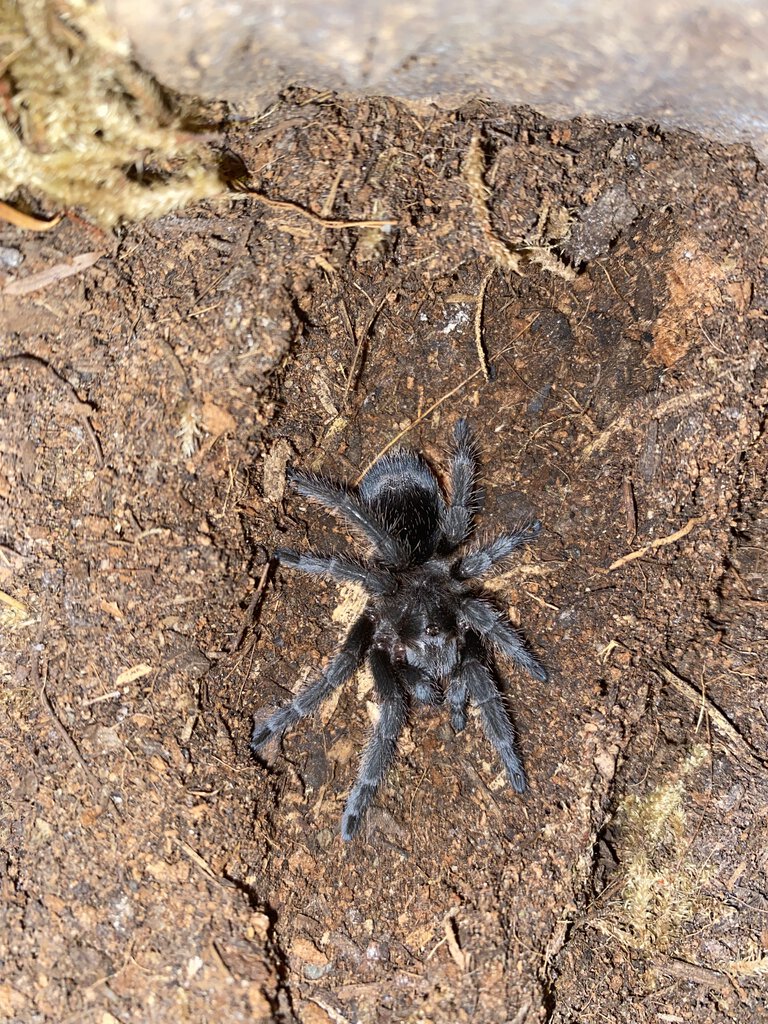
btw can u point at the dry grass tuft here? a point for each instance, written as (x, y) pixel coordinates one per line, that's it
(13, 614)
(84, 126)
(755, 964)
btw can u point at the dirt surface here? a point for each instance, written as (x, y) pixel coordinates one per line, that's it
(152, 870)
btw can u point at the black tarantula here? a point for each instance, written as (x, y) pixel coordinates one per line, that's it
(425, 632)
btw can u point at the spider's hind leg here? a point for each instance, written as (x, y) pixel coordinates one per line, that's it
(345, 503)
(337, 567)
(381, 749)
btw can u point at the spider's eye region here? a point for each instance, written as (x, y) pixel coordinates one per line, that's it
(432, 629)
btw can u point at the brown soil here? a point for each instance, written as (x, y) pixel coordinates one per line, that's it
(152, 870)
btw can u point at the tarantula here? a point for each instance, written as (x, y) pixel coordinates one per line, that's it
(426, 634)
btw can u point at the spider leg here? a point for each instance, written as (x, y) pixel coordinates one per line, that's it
(419, 685)
(456, 695)
(496, 724)
(337, 567)
(379, 753)
(479, 561)
(495, 630)
(345, 503)
(466, 497)
(338, 670)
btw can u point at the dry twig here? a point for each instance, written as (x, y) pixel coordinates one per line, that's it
(331, 1011)
(360, 338)
(69, 743)
(203, 866)
(252, 607)
(481, 355)
(323, 222)
(659, 542)
(629, 419)
(698, 698)
(462, 960)
(44, 278)
(83, 410)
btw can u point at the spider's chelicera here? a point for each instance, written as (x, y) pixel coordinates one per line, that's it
(427, 635)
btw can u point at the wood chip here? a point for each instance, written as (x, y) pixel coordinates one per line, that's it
(35, 282)
(130, 675)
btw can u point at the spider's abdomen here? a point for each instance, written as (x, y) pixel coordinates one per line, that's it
(402, 493)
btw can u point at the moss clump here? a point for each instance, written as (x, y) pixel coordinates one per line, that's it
(83, 123)
(660, 885)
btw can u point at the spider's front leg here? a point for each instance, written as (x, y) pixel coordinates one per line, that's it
(456, 696)
(482, 559)
(488, 621)
(466, 497)
(484, 693)
(338, 670)
(419, 685)
(381, 749)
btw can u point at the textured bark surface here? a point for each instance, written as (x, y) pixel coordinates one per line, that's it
(613, 279)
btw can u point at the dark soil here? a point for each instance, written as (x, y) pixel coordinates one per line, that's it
(152, 870)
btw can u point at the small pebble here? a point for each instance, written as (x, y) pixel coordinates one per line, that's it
(10, 258)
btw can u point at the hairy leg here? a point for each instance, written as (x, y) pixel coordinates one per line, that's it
(337, 567)
(381, 749)
(466, 498)
(483, 558)
(345, 503)
(338, 670)
(494, 629)
(485, 695)
(419, 685)
(457, 699)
